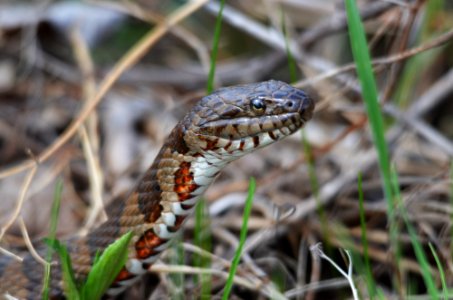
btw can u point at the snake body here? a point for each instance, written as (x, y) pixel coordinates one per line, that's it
(220, 128)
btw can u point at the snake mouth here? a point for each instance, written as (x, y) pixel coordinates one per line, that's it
(231, 139)
(246, 127)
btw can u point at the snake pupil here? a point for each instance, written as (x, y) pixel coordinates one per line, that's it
(258, 104)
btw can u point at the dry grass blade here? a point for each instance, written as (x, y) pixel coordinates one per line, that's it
(88, 133)
(10, 254)
(29, 244)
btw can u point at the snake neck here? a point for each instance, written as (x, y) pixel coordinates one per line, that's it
(172, 185)
(164, 198)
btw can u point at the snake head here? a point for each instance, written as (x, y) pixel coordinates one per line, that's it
(245, 117)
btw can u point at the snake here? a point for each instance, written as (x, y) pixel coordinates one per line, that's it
(220, 128)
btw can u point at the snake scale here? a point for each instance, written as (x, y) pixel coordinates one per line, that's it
(220, 128)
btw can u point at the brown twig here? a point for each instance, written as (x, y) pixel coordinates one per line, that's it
(88, 132)
(11, 254)
(29, 244)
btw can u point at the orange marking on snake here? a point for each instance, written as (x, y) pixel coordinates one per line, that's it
(155, 213)
(184, 184)
(124, 275)
(147, 242)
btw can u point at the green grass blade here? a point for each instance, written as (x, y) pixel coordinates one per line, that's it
(202, 237)
(97, 256)
(51, 237)
(292, 66)
(215, 47)
(243, 236)
(176, 257)
(422, 260)
(369, 275)
(441, 271)
(369, 90)
(370, 95)
(104, 272)
(417, 246)
(451, 201)
(71, 288)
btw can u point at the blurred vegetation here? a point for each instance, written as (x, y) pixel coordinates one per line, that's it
(306, 186)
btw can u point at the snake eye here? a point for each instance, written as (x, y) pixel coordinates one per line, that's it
(258, 105)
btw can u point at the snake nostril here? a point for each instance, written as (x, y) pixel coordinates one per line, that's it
(289, 104)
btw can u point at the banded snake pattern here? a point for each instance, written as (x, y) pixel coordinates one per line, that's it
(220, 128)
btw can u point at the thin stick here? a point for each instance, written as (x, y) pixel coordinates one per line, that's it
(88, 132)
(29, 244)
(317, 251)
(251, 283)
(11, 254)
(97, 206)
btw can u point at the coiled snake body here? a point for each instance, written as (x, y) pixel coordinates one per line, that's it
(220, 128)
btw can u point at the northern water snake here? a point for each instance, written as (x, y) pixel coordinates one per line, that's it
(220, 128)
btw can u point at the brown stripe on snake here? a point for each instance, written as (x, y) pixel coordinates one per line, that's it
(222, 127)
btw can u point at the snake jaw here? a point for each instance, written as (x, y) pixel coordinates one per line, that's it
(227, 122)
